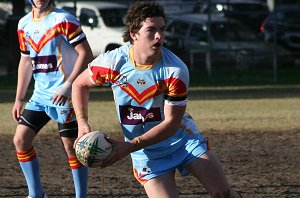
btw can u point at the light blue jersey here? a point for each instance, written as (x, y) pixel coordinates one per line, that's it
(50, 44)
(140, 95)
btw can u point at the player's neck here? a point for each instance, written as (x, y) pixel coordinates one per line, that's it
(144, 59)
(38, 14)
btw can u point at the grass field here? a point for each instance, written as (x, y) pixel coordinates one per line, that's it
(253, 127)
(247, 108)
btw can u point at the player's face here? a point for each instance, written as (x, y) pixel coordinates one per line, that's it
(149, 39)
(41, 4)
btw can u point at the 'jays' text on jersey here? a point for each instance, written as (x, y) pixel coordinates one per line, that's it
(50, 43)
(140, 95)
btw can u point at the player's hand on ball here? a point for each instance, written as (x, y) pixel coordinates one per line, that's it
(92, 148)
(83, 128)
(120, 149)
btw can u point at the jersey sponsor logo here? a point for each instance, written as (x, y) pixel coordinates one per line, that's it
(44, 64)
(137, 115)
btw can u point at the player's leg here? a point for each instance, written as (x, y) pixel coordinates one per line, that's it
(68, 133)
(162, 187)
(158, 174)
(208, 170)
(29, 125)
(204, 165)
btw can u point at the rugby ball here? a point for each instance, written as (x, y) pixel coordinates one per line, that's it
(92, 148)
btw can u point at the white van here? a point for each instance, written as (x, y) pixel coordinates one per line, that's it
(102, 22)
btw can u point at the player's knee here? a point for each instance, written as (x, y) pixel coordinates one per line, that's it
(20, 143)
(23, 138)
(16, 140)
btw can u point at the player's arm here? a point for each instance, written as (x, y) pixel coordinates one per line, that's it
(167, 128)
(173, 117)
(24, 78)
(80, 97)
(85, 56)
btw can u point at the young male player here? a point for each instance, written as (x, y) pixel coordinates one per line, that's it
(150, 86)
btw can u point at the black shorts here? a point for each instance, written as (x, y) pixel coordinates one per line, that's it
(38, 119)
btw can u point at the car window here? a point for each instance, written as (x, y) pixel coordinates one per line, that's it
(88, 17)
(227, 31)
(70, 10)
(244, 33)
(220, 32)
(241, 7)
(179, 28)
(292, 17)
(198, 32)
(113, 17)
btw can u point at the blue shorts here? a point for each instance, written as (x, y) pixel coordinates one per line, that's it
(36, 115)
(146, 169)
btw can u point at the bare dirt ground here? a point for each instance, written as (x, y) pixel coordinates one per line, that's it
(258, 164)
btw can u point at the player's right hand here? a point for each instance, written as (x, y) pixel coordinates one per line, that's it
(17, 109)
(83, 128)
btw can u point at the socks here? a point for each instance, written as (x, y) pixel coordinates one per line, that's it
(80, 177)
(31, 169)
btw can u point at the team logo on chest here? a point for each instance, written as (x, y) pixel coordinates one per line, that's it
(141, 81)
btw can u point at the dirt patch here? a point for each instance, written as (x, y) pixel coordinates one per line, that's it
(258, 164)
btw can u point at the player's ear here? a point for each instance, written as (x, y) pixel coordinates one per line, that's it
(133, 36)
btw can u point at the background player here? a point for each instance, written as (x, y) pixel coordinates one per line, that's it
(54, 50)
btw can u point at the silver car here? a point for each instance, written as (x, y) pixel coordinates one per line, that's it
(229, 42)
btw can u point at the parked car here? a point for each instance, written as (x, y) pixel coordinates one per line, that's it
(5, 12)
(249, 12)
(231, 43)
(287, 21)
(102, 22)
(175, 7)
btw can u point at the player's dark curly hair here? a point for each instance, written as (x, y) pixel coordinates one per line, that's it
(137, 13)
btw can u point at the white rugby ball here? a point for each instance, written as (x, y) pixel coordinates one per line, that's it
(92, 148)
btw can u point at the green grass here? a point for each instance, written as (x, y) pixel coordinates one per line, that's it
(225, 104)
(263, 108)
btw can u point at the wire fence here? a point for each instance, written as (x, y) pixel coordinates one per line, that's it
(279, 30)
